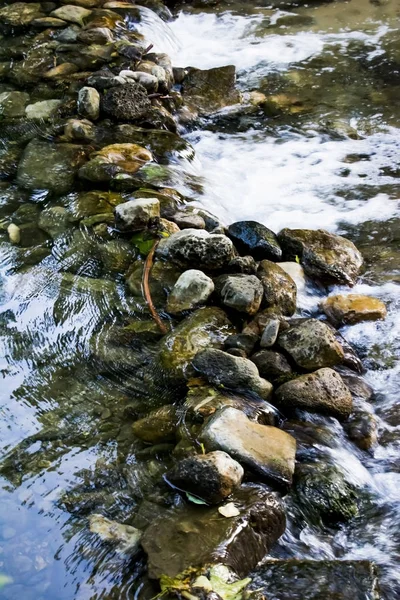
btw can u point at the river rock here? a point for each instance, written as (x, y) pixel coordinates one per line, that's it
(196, 246)
(79, 130)
(186, 220)
(13, 104)
(223, 369)
(89, 103)
(48, 166)
(324, 494)
(159, 426)
(272, 365)
(148, 81)
(111, 160)
(126, 102)
(241, 341)
(210, 90)
(71, 13)
(311, 344)
(325, 256)
(20, 14)
(296, 272)
(265, 450)
(240, 292)
(136, 215)
(176, 541)
(212, 476)
(280, 291)
(54, 220)
(362, 429)
(350, 309)
(208, 326)
(255, 239)
(116, 255)
(44, 109)
(95, 35)
(192, 289)
(306, 579)
(270, 333)
(322, 391)
(164, 275)
(125, 537)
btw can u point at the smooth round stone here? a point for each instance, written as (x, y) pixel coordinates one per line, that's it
(270, 333)
(42, 110)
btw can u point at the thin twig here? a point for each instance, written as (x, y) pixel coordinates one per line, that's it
(146, 289)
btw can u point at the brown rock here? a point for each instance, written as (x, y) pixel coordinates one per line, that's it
(349, 309)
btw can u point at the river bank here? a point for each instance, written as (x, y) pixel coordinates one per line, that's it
(146, 379)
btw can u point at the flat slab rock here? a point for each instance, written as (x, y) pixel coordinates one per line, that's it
(315, 580)
(268, 451)
(195, 535)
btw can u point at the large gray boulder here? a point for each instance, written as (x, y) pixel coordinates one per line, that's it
(280, 291)
(311, 344)
(192, 289)
(241, 292)
(212, 476)
(267, 451)
(322, 391)
(223, 369)
(197, 247)
(325, 256)
(198, 536)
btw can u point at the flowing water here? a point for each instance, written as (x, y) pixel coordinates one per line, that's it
(329, 158)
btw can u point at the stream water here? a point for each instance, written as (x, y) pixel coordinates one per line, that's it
(328, 159)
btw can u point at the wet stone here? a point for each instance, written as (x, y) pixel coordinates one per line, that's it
(212, 476)
(159, 426)
(255, 239)
(192, 289)
(267, 451)
(241, 292)
(270, 333)
(362, 429)
(177, 540)
(311, 344)
(45, 109)
(95, 35)
(193, 246)
(241, 341)
(54, 220)
(20, 14)
(71, 13)
(223, 369)
(136, 214)
(280, 291)
(113, 160)
(89, 103)
(322, 391)
(210, 90)
(147, 80)
(13, 104)
(350, 309)
(272, 365)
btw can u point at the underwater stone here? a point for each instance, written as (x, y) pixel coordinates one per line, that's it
(44, 109)
(20, 14)
(13, 104)
(158, 426)
(54, 220)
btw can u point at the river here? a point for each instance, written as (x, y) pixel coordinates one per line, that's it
(329, 159)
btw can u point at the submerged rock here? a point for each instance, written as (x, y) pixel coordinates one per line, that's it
(192, 289)
(267, 451)
(306, 579)
(255, 239)
(350, 309)
(136, 215)
(54, 220)
(111, 160)
(126, 102)
(322, 391)
(311, 344)
(325, 256)
(210, 90)
(212, 476)
(125, 537)
(223, 369)
(240, 292)
(13, 104)
(42, 110)
(197, 247)
(196, 536)
(164, 275)
(206, 327)
(280, 291)
(159, 426)
(20, 14)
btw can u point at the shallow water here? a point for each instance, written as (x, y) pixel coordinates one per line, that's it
(332, 164)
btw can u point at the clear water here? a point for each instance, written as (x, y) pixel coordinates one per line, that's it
(63, 430)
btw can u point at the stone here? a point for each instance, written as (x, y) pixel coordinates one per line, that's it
(206, 327)
(14, 233)
(54, 220)
(116, 256)
(322, 391)
(89, 103)
(242, 264)
(296, 272)
(13, 104)
(71, 13)
(255, 239)
(210, 90)
(164, 275)
(267, 451)
(80, 130)
(311, 344)
(20, 14)
(159, 426)
(350, 309)
(325, 256)
(88, 204)
(48, 166)
(324, 494)
(175, 541)
(186, 220)
(241, 292)
(270, 333)
(196, 246)
(272, 365)
(125, 537)
(156, 71)
(61, 71)
(223, 369)
(136, 215)
(211, 477)
(168, 226)
(95, 35)
(48, 22)
(112, 160)
(192, 289)
(241, 341)
(362, 429)
(126, 102)
(43, 110)
(148, 81)
(280, 291)
(306, 579)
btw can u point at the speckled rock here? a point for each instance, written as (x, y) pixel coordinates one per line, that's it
(89, 103)
(240, 292)
(192, 289)
(255, 239)
(272, 365)
(197, 247)
(280, 291)
(126, 102)
(135, 215)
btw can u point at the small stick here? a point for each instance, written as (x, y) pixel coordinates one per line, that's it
(146, 289)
